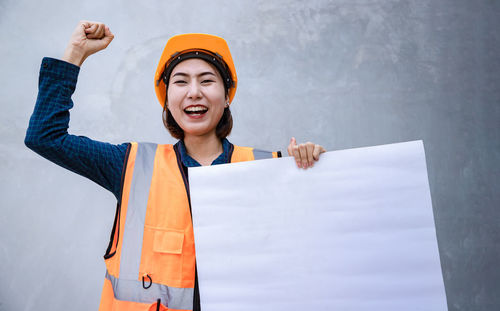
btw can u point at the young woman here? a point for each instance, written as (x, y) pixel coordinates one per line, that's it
(150, 260)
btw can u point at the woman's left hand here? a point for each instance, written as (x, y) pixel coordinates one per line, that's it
(305, 154)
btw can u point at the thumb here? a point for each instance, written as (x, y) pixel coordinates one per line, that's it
(89, 27)
(292, 143)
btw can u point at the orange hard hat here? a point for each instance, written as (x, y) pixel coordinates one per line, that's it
(195, 45)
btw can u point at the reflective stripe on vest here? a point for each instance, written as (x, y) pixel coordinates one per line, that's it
(150, 169)
(261, 154)
(134, 225)
(131, 290)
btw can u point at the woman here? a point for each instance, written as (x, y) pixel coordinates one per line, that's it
(150, 260)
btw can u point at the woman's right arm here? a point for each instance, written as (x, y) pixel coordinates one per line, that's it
(47, 133)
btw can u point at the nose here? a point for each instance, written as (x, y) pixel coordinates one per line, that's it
(194, 91)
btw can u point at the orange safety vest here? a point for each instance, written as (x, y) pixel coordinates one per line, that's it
(150, 261)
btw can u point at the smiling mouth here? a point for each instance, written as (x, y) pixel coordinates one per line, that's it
(198, 110)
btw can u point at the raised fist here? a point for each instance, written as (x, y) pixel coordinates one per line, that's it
(87, 39)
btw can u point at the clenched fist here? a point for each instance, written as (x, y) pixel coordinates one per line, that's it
(87, 39)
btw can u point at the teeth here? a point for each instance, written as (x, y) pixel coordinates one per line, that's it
(195, 109)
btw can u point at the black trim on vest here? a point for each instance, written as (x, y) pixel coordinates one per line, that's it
(196, 297)
(124, 169)
(230, 153)
(116, 226)
(184, 173)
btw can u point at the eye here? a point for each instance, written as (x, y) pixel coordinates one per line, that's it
(207, 81)
(179, 82)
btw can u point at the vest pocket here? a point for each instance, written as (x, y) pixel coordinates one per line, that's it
(163, 256)
(168, 242)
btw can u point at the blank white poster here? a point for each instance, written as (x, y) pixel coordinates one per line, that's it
(355, 232)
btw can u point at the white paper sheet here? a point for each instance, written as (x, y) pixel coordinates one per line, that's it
(356, 232)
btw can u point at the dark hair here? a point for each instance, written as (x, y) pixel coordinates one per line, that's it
(222, 130)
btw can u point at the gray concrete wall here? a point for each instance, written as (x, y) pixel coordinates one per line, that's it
(341, 73)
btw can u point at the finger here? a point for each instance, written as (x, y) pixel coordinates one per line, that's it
(79, 32)
(108, 35)
(309, 150)
(85, 24)
(296, 155)
(107, 32)
(303, 155)
(90, 28)
(99, 33)
(93, 32)
(290, 146)
(317, 151)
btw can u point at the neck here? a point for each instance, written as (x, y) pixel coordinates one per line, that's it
(204, 149)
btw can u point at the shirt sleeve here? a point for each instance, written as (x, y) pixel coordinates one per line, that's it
(48, 136)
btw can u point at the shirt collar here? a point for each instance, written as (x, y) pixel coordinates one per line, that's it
(188, 161)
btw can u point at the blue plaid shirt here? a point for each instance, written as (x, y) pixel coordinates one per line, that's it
(48, 136)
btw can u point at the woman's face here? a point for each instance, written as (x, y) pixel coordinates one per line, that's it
(196, 97)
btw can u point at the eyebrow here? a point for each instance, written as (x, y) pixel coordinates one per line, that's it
(186, 75)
